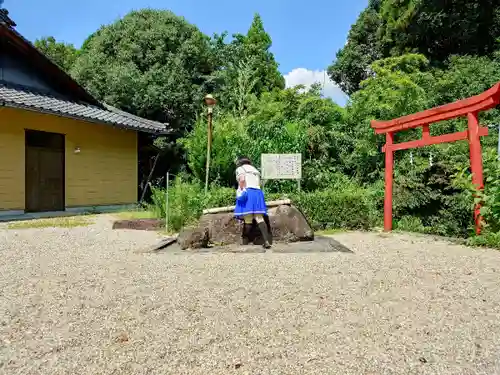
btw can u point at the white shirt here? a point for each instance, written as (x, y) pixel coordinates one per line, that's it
(251, 174)
(240, 192)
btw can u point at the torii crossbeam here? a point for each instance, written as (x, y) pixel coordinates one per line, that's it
(469, 107)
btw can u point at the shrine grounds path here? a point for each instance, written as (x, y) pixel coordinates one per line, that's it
(81, 301)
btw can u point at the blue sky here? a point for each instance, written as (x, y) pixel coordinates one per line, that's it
(305, 34)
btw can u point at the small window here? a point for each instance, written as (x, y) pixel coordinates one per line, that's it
(36, 138)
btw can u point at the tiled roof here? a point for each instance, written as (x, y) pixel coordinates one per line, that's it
(4, 18)
(22, 97)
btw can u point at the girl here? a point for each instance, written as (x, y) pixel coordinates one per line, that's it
(250, 202)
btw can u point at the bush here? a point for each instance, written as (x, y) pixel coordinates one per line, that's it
(281, 121)
(187, 200)
(489, 198)
(409, 224)
(185, 203)
(220, 197)
(454, 218)
(350, 207)
(431, 196)
(344, 207)
(488, 239)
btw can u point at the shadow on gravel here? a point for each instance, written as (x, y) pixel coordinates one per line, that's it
(321, 244)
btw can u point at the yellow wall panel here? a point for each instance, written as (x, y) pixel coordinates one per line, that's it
(104, 172)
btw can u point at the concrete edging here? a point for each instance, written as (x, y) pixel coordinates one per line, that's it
(17, 215)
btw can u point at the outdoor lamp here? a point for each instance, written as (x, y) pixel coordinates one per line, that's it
(210, 102)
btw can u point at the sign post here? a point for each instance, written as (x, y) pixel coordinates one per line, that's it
(281, 167)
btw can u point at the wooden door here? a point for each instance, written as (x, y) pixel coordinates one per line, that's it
(44, 177)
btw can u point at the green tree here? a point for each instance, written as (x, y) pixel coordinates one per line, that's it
(435, 28)
(465, 76)
(257, 44)
(246, 66)
(397, 86)
(280, 121)
(236, 85)
(424, 192)
(362, 48)
(151, 63)
(440, 28)
(63, 54)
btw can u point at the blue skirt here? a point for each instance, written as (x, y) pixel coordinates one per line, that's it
(250, 202)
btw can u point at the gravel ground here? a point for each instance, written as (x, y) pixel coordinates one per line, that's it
(81, 301)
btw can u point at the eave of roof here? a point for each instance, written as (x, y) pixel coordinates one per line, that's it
(51, 69)
(24, 98)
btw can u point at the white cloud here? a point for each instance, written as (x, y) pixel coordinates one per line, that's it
(302, 76)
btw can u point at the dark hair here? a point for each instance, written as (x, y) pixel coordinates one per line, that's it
(243, 160)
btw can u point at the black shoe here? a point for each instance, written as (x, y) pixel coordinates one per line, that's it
(265, 235)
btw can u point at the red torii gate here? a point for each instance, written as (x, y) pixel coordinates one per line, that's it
(469, 107)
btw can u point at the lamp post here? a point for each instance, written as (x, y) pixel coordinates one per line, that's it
(210, 103)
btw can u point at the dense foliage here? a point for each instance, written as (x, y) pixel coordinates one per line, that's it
(243, 67)
(62, 54)
(280, 121)
(401, 57)
(437, 29)
(151, 63)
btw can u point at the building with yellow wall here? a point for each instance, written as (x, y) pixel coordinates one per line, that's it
(60, 148)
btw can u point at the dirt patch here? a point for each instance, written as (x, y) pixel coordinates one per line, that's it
(139, 224)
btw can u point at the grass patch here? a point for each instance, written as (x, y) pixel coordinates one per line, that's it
(169, 233)
(135, 214)
(329, 231)
(488, 239)
(58, 222)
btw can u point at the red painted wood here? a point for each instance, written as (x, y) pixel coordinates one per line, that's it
(426, 132)
(436, 118)
(487, 100)
(389, 166)
(467, 107)
(427, 141)
(476, 163)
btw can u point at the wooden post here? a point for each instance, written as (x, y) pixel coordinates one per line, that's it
(209, 147)
(149, 178)
(167, 177)
(389, 167)
(476, 163)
